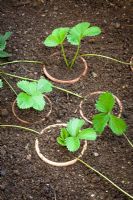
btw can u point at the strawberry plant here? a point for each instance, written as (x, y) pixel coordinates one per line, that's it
(73, 35)
(105, 105)
(32, 95)
(3, 41)
(72, 134)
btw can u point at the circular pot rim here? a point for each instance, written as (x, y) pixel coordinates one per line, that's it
(131, 63)
(72, 81)
(53, 163)
(27, 122)
(94, 93)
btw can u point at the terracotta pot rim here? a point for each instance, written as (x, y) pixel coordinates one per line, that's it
(27, 122)
(72, 81)
(53, 163)
(94, 93)
(131, 63)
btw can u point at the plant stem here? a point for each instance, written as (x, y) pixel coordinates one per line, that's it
(102, 56)
(75, 56)
(131, 144)
(20, 127)
(64, 55)
(21, 61)
(107, 179)
(15, 76)
(67, 91)
(29, 79)
(10, 86)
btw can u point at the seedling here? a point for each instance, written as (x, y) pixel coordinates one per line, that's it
(1, 84)
(72, 134)
(105, 105)
(3, 41)
(32, 95)
(73, 35)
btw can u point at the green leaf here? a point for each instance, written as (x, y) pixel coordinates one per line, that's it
(87, 134)
(74, 125)
(81, 30)
(24, 101)
(92, 31)
(2, 43)
(38, 102)
(61, 141)
(44, 86)
(56, 37)
(100, 121)
(117, 125)
(4, 54)
(72, 143)
(76, 33)
(7, 35)
(1, 83)
(105, 102)
(64, 133)
(28, 87)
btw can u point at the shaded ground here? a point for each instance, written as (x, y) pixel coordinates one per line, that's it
(23, 174)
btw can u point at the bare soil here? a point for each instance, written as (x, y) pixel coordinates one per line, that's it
(23, 175)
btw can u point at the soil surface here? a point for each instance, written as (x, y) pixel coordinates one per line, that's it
(23, 175)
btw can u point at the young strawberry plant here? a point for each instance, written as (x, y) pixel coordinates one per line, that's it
(73, 35)
(105, 105)
(32, 95)
(3, 41)
(72, 134)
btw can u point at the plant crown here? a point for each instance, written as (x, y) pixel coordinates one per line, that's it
(3, 39)
(72, 134)
(32, 95)
(105, 105)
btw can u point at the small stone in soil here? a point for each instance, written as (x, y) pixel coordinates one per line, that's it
(94, 74)
(96, 154)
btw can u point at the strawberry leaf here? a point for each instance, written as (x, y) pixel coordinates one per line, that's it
(74, 125)
(64, 133)
(44, 86)
(2, 43)
(61, 141)
(117, 125)
(4, 54)
(56, 37)
(100, 121)
(7, 35)
(72, 143)
(28, 87)
(92, 31)
(38, 102)
(24, 101)
(105, 102)
(1, 83)
(87, 134)
(81, 30)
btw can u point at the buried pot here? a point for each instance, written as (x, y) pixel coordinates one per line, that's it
(49, 161)
(83, 71)
(33, 122)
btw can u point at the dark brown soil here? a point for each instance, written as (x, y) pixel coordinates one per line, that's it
(23, 174)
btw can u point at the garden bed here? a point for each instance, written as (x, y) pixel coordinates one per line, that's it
(23, 174)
